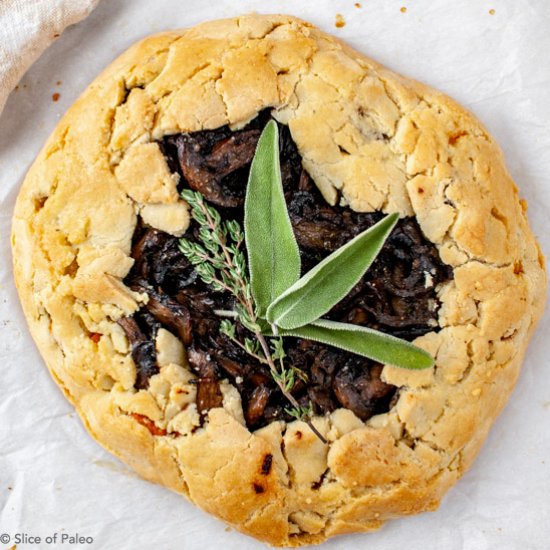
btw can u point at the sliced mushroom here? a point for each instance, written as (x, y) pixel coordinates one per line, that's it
(205, 169)
(198, 300)
(171, 314)
(233, 368)
(209, 395)
(159, 261)
(131, 329)
(257, 404)
(234, 152)
(145, 358)
(150, 242)
(318, 236)
(360, 389)
(322, 399)
(143, 352)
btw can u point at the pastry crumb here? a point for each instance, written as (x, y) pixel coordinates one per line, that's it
(56, 96)
(357, 5)
(403, 9)
(492, 12)
(428, 280)
(340, 21)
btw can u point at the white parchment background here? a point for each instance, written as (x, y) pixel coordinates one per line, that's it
(54, 478)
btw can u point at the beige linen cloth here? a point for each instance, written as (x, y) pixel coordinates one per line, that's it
(27, 28)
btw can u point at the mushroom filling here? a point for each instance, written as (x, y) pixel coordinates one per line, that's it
(397, 295)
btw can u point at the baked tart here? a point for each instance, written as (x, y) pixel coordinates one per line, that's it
(134, 332)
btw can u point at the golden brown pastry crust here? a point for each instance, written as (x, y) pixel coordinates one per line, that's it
(387, 143)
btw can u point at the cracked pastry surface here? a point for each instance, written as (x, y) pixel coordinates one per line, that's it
(367, 137)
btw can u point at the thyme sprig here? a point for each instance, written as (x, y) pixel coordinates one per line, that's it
(220, 262)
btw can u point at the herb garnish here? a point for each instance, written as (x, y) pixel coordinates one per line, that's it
(220, 262)
(272, 301)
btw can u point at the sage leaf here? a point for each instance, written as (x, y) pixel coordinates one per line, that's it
(366, 342)
(330, 280)
(273, 255)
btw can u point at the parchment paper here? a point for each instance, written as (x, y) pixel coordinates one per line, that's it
(55, 479)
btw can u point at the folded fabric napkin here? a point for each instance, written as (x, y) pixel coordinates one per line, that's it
(27, 28)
